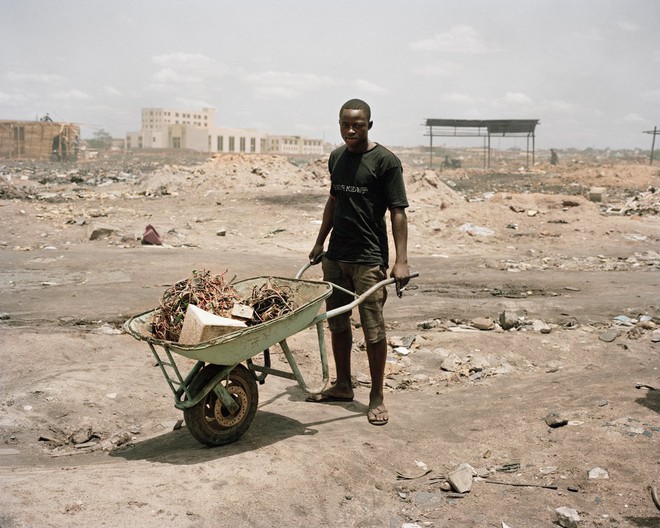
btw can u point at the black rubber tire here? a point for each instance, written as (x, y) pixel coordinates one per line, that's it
(208, 421)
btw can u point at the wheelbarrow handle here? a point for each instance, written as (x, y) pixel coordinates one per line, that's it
(309, 264)
(358, 299)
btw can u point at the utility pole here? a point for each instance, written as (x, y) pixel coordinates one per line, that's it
(655, 133)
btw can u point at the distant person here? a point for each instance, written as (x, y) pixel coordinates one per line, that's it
(366, 180)
(554, 159)
(46, 119)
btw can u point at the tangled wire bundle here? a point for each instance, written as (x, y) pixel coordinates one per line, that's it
(210, 293)
(270, 302)
(213, 294)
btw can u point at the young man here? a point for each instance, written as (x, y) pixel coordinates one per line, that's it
(366, 182)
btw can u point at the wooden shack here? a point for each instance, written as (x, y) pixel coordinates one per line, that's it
(39, 140)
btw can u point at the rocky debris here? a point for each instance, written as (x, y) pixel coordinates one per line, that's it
(567, 517)
(598, 473)
(460, 479)
(554, 420)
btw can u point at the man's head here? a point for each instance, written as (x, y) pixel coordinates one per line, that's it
(356, 104)
(354, 124)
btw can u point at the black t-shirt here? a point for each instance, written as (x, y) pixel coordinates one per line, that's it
(365, 185)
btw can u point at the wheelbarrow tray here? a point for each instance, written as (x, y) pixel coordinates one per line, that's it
(241, 345)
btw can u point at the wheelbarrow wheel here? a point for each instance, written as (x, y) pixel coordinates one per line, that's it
(209, 421)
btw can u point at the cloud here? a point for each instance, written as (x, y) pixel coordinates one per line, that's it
(459, 98)
(369, 87)
(634, 118)
(652, 95)
(44, 78)
(112, 91)
(590, 34)
(194, 61)
(285, 85)
(170, 76)
(184, 69)
(435, 69)
(459, 39)
(516, 98)
(12, 99)
(186, 102)
(72, 94)
(628, 26)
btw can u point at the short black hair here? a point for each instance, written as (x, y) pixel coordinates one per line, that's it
(356, 104)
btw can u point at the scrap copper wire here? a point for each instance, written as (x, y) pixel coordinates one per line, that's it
(213, 294)
(270, 302)
(208, 292)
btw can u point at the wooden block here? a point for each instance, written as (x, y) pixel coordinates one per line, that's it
(200, 326)
(242, 311)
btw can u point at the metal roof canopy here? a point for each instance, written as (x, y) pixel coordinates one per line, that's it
(482, 128)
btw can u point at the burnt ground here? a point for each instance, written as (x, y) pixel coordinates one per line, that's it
(90, 436)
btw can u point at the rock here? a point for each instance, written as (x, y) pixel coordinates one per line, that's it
(483, 323)
(82, 435)
(474, 230)
(608, 336)
(554, 420)
(4, 316)
(398, 341)
(553, 366)
(598, 473)
(478, 363)
(541, 326)
(505, 323)
(655, 336)
(102, 232)
(567, 517)
(452, 363)
(461, 479)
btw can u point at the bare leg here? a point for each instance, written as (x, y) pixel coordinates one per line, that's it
(377, 354)
(342, 343)
(342, 389)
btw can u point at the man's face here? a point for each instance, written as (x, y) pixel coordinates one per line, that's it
(354, 127)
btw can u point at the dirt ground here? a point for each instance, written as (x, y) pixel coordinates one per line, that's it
(532, 300)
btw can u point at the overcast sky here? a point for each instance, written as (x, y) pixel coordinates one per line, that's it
(589, 70)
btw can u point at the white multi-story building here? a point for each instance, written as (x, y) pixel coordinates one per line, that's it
(168, 128)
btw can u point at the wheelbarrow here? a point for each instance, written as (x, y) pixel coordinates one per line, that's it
(219, 394)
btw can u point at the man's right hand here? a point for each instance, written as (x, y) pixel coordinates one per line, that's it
(316, 254)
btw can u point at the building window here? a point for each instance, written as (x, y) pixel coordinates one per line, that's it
(242, 144)
(231, 144)
(220, 143)
(253, 144)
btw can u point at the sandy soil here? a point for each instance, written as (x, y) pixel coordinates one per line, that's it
(88, 428)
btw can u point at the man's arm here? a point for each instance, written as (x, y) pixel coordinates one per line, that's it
(400, 270)
(324, 230)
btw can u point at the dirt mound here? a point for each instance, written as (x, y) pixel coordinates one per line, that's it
(229, 172)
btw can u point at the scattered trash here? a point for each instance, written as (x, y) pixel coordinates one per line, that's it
(474, 230)
(655, 497)
(522, 484)
(151, 236)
